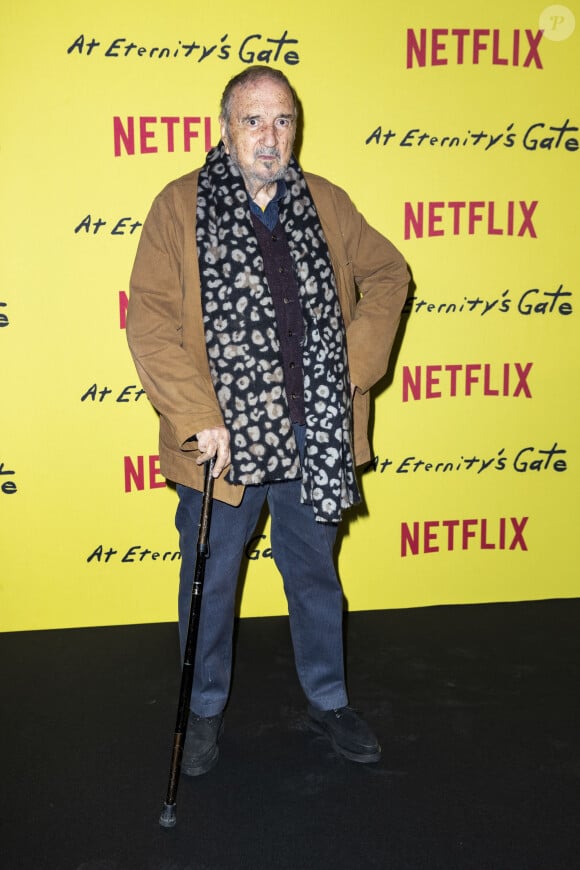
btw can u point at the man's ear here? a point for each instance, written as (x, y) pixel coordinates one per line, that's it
(224, 134)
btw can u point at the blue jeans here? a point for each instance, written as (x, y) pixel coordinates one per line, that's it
(303, 552)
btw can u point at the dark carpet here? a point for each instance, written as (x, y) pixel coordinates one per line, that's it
(477, 708)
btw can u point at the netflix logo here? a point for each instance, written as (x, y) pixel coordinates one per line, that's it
(440, 46)
(150, 134)
(460, 380)
(437, 536)
(469, 218)
(143, 472)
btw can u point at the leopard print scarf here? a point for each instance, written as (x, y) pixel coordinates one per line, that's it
(244, 350)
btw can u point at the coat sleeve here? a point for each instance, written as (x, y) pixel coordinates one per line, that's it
(175, 379)
(382, 278)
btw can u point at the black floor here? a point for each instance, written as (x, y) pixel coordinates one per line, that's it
(477, 708)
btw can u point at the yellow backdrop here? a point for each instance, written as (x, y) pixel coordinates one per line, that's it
(454, 127)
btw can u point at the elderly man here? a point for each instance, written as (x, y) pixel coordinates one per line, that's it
(263, 308)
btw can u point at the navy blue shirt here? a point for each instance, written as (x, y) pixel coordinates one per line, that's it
(269, 216)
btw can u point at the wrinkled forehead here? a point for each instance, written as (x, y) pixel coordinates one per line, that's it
(264, 96)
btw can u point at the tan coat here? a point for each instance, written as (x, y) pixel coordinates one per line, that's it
(165, 329)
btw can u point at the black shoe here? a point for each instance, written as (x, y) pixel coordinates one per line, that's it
(348, 732)
(201, 752)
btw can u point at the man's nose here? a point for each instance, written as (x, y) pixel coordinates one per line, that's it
(269, 137)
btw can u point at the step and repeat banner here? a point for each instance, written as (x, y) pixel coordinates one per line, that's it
(455, 129)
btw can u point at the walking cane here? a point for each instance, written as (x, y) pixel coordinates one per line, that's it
(168, 817)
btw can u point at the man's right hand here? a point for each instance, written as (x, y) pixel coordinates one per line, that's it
(214, 442)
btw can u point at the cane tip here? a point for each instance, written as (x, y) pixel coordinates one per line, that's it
(168, 818)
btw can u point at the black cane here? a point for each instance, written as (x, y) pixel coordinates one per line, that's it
(168, 817)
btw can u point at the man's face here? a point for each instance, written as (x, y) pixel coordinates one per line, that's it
(260, 133)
